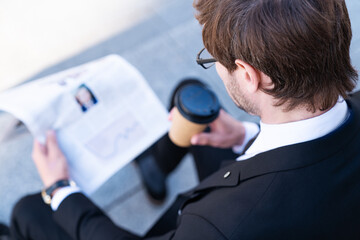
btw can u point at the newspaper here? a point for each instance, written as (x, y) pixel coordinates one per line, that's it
(104, 114)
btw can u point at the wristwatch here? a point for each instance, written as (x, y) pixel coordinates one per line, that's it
(47, 193)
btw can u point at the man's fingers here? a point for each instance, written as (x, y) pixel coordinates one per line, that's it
(38, 149)
(171, 113)
(205, 139)
(195, 140)
(52, 144)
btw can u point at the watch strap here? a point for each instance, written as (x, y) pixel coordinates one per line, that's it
(47, 193)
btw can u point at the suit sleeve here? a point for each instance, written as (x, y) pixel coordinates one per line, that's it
(82, 219)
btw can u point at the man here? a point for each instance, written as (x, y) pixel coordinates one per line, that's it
(288, 62)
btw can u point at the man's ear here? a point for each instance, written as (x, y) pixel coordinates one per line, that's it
(250, 75)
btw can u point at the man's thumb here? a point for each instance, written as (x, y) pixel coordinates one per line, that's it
(201, 139)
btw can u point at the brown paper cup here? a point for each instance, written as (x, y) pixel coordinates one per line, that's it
(182, 129)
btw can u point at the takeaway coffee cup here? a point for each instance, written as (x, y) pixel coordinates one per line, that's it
(195, 107)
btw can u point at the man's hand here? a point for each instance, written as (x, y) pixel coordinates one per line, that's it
(49, 160)
(225, 132)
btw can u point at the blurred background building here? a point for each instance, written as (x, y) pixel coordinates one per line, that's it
(39, 33)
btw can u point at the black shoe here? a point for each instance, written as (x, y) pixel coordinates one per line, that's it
(181, 84)
(153, 178)
(4, 232)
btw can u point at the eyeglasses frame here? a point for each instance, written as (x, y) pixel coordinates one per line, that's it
(202, 61)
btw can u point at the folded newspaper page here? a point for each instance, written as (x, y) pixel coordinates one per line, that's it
(104, 114)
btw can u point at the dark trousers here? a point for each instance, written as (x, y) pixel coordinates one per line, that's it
(32, 218)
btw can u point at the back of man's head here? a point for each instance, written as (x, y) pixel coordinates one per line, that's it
(302, 45)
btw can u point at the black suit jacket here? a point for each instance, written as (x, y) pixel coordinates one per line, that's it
(309, 190)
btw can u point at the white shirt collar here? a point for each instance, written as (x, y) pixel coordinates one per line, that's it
(273, 136)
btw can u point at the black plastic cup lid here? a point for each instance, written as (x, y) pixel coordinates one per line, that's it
(197, 103)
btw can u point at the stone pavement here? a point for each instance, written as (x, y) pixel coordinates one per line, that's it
(163, 48)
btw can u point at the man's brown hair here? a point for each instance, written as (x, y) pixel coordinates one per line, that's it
(302, 45)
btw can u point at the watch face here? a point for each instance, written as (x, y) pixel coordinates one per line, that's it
(47, 193)
(46, 197)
